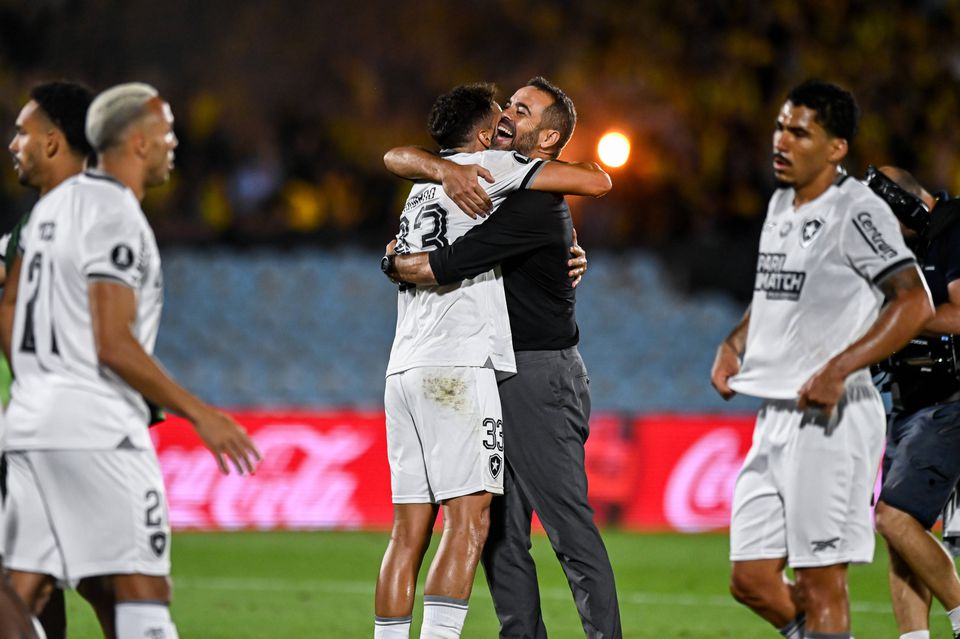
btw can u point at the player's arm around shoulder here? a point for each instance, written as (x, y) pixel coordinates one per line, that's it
(461, 182)
(572, 178)
(113, 310)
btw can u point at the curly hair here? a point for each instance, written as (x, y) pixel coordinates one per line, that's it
(66, 104)
(836, 108)
(455, 115)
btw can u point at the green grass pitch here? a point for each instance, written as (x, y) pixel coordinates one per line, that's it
(320, 585)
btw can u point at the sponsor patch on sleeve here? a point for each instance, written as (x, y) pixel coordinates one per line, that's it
(873, 236)
(122, 256)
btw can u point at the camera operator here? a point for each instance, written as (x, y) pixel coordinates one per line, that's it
(921, 464)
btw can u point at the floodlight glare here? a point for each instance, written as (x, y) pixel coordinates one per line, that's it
(613, 149)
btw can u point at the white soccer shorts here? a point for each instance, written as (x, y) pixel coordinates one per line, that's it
(806, 487)
(444, 433)
(79, 513)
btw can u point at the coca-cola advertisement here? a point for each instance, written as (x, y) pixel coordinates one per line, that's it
(688, 467)
(329, 470)
(319, 470)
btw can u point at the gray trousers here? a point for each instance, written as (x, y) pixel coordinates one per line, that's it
(546, 407)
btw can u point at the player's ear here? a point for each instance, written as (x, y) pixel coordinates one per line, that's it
(838, 149)
(549, 138)
(485, 136)
(53, 142)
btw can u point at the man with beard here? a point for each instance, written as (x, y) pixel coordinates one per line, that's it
(830, 252)
(49, 146)
(443, 410)
(86, 497)
(546, 405)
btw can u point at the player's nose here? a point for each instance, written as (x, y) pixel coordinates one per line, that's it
(780, 142)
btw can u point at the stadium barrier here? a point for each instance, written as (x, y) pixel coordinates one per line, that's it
(326, 470)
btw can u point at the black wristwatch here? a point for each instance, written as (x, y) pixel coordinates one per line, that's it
(386, 264)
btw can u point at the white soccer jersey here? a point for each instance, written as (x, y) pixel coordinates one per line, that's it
(89, 228)
(464, 324)
(816, 290)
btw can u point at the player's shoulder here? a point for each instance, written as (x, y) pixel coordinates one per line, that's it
(104, 193)
(854, 197)
(494, 159)
(101, 186)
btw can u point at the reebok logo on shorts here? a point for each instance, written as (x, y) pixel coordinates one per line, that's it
(820, 546)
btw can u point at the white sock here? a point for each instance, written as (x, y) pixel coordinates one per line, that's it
(442, 617)
(954, 619)
(144, 620)
(916, 634)
(37, 628)
(391, 628)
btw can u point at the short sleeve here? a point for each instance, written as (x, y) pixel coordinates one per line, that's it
(872, 242)
(511, 171)
(111, 246)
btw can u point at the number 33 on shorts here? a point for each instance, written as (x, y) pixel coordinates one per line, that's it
(494, 441)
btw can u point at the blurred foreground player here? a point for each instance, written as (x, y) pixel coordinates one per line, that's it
(442, 405)
(86, 497)
(921, 462)
(49, 145)
(830, 252)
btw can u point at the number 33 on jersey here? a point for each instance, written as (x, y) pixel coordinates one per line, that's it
(430, 220)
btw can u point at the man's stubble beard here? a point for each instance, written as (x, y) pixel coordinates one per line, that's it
(526, 143)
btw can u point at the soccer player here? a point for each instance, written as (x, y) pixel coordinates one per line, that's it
(86, 497)
(443, 411)
(546, 405)
(49, 146)
(830, 252)
(921, 465)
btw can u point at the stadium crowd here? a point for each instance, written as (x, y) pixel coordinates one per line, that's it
(281, 142)
(283, 130)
